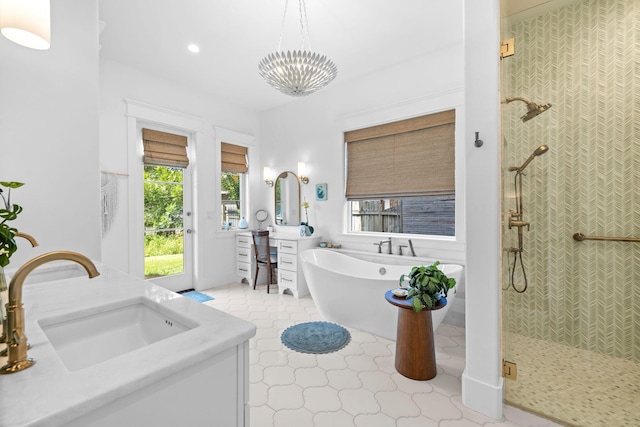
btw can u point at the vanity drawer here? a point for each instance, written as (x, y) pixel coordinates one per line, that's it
(243, 254)
(243, 269)
(244, 241)
(288, 261)
(288, 246)
(287, 279)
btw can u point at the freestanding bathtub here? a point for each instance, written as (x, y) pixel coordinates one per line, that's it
(350, 291)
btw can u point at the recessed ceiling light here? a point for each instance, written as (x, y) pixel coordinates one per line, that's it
(193, 48)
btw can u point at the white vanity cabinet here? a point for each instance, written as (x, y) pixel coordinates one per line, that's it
(245, 260)
(289, 246)
(290, 274)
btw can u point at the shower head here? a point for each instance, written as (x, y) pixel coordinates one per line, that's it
(537, 152)
(533, 109)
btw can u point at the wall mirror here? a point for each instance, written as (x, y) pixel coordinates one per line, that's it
(287, 192)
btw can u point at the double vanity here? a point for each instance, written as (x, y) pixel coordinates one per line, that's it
(116, 350)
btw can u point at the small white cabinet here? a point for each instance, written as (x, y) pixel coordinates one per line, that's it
(245, 260)
(290, 276)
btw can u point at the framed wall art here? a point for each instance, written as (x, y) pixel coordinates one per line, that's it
(321, 192)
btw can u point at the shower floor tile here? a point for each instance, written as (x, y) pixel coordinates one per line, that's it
(356, 386)
(582, 387)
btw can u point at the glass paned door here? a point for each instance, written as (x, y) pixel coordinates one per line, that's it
(167, 222)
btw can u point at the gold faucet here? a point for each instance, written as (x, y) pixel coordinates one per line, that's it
(29, 237)
(3, 337)
(17, 340)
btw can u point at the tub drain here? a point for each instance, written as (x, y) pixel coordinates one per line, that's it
(383, 271)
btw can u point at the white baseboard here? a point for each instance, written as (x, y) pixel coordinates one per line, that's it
(482, 397)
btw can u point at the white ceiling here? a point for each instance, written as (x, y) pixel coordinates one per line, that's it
(360, 36)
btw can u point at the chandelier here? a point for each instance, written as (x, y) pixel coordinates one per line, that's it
(297, 72)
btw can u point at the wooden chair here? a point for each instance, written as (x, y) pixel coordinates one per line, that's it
(265, 258)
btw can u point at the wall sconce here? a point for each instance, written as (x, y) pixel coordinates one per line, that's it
(302, 173)
(268, 178)
(26, 22)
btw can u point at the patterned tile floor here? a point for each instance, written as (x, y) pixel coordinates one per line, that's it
(357, 386)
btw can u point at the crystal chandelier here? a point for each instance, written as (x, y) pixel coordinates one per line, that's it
(297, 72)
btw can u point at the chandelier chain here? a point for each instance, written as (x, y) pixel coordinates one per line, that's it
(303, 13)
(284, 15)
(304, 25)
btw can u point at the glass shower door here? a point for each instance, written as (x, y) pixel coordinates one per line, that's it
(572, 336)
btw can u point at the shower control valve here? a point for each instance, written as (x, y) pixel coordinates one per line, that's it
(514, 214)
(513, 223)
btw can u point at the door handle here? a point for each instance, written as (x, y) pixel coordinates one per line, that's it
(189, 231)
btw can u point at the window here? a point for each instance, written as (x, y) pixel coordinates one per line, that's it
(401, 176)
(234, 165)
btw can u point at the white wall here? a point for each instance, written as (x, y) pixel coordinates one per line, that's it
(482, 380)
(49, 133)
(215, 249)
(311, 130)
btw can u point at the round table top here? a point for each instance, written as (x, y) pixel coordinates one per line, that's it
(403, 302)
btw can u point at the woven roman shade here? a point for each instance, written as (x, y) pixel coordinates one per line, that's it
(164, 149)
(413, 157)
(234, 158)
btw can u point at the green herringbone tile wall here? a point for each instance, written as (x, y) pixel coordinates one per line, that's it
(585, 60)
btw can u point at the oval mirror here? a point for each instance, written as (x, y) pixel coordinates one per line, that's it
(287, 206)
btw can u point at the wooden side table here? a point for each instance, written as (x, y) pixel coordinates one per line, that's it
(415, 351)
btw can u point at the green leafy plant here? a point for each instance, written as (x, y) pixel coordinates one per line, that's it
(427, 285)
(8, 213)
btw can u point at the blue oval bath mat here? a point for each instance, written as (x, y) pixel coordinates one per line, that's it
(315, 337)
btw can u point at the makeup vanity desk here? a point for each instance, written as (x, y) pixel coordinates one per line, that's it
(289, 246)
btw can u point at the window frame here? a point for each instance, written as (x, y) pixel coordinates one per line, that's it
(386, 137)
(243, 140)
(446, 100)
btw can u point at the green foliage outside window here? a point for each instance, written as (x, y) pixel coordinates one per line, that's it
(163, 206)
(162, 197)
(230, 183)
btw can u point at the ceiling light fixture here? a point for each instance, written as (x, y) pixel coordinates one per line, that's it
(193, 48)
(26, 22)
(297, 72)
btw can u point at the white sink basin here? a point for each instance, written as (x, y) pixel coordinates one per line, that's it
(91, 336)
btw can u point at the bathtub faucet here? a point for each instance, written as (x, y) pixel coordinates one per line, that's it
(382, 243)
(413, 253)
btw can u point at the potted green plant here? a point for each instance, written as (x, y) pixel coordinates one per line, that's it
(427, 286)
(8, 212)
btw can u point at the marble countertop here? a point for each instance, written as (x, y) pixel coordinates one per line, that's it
(47, 394)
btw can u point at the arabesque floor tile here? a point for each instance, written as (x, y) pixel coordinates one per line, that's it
(357, 386)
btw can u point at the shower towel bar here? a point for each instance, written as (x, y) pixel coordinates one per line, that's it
(580, 237)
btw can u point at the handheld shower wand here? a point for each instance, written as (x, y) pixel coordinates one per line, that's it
(515, 218)
(537, 152)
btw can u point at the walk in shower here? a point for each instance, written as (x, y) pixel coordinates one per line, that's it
(571, 339)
